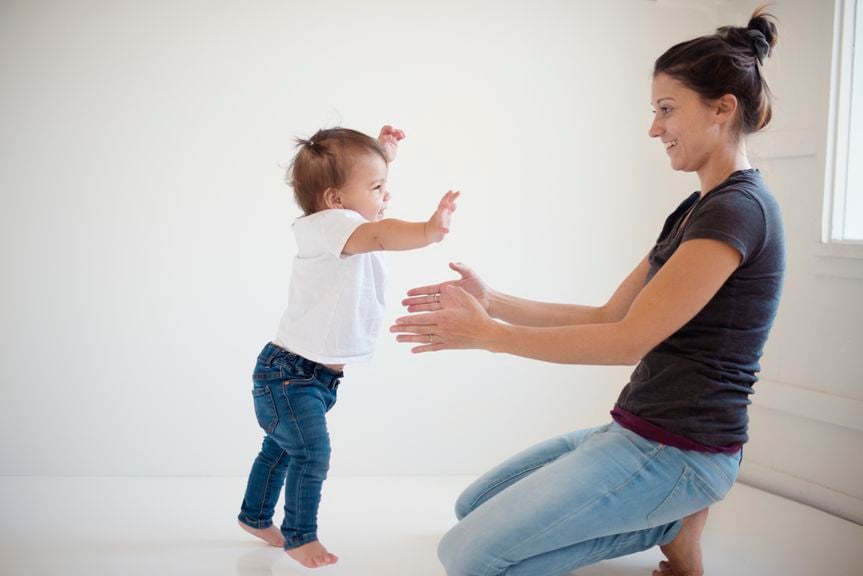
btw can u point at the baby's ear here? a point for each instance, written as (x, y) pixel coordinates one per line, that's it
(331, 198)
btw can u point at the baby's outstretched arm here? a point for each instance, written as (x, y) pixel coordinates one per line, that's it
(392, 234)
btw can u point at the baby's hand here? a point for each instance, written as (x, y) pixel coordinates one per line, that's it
(389, 139)
(438, 225)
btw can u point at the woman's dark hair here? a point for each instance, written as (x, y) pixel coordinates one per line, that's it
(325, 161)
(728, 62)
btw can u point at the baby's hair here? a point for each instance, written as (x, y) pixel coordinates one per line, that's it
(728, 62)
(325, 161)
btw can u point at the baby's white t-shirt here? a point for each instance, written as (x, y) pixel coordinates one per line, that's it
(336, 302)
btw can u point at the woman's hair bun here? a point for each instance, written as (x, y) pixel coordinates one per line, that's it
(762, 33)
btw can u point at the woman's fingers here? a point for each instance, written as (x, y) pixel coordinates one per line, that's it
(432, 307)
(429, 348)
(429, 290)
(424, 303)
(427, 342)
(419, 338)
(401, 326)
(425, 290)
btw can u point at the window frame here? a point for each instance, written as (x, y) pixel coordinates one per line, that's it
(833, 244)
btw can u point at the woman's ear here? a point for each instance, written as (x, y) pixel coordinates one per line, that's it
(331, 198)
(726, 108)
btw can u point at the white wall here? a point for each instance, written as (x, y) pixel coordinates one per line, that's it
(144, 226)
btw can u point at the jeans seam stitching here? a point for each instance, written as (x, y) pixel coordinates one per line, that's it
(602, 555)
(304, 467)
(522, 472)
(267, 483)
(719, 469)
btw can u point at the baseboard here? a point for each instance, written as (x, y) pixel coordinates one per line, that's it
(820, 497)
(829, 413)
(811, 404)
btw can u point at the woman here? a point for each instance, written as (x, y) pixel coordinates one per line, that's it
(693, 315)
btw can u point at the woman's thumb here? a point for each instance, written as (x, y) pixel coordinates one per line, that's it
(460, 268)
(457, 293)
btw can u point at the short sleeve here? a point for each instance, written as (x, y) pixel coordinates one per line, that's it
(326, 232)
(731, 216)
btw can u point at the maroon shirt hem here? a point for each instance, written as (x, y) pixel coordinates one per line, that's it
(651, 431)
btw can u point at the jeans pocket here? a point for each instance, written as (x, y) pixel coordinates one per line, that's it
(689, 495)
(265, 408)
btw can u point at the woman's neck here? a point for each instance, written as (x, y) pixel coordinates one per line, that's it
(721, 165)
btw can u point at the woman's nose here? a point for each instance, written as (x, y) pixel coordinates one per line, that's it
(654, 130)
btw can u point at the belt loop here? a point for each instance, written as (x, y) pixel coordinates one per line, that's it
(272, 350)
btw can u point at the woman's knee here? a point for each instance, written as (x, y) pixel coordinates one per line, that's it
(464, 505)
(451, 551)
(462, 556)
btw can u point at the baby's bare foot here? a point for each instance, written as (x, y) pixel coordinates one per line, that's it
(312, 555)
(684, 552)
(271, 535)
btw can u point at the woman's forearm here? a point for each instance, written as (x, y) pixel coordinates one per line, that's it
(595, 344)
(521, 312)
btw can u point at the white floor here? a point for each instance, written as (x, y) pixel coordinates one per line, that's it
(378, 526)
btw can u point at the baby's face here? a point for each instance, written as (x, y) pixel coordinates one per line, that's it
(365, 191)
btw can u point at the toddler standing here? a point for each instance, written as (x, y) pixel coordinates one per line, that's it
(335, 307)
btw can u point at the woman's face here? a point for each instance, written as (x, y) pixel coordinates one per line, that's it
(685, 123)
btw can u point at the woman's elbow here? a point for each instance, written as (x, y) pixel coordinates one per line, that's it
(631, 348)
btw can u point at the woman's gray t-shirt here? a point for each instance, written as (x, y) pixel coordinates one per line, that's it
(697, 382)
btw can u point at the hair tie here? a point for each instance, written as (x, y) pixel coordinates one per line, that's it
(760, 45)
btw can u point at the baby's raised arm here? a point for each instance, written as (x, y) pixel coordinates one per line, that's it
(389, 139)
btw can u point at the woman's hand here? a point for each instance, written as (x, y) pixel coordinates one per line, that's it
(389, 139)
(427, 298)
(438, 225)
(460, 323)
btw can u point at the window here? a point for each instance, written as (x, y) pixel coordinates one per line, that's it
(843, 210)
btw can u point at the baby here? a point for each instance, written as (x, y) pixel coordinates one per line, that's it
(335, 307)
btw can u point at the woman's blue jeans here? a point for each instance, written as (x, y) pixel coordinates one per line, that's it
(292, 396)
(578, 499)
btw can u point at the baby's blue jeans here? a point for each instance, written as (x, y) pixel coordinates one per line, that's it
(578, 499)
(292, 396)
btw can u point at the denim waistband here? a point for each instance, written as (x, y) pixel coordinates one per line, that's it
(324, 375)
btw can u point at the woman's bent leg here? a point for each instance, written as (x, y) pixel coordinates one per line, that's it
(516, 468)
(616, 494)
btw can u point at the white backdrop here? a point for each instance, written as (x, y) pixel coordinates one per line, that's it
(144, 225)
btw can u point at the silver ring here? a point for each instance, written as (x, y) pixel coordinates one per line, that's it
(430, 338)
(437, 298)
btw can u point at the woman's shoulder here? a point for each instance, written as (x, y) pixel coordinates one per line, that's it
(747, 182)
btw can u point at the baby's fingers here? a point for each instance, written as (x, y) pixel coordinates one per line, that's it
(449, 199)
